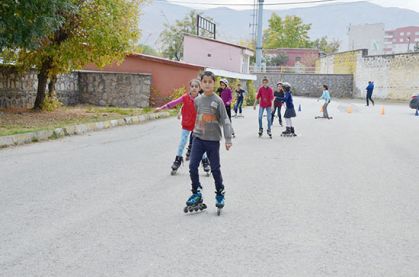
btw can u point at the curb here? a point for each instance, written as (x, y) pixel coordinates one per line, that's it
(44, 135)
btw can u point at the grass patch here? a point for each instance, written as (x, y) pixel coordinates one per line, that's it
(20, 121)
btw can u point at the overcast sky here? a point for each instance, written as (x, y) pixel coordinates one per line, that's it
(407, 4)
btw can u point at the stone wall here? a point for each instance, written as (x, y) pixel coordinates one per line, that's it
(115, 89)
(340, 85)
(18, 90)
(395, 76)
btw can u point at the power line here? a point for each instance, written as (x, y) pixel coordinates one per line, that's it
(246, 4)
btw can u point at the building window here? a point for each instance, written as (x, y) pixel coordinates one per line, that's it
(402, 33)
(408, 33)
(394, 40)
(417, 33)
(401, 40)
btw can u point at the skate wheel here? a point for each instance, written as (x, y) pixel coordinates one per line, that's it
(190, 209)
(185, 210)
(173, 172)
(204, 206)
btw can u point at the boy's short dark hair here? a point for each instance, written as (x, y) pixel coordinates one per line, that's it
(208, 74)
(325, 87)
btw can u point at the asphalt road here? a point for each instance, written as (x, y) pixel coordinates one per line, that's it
(341, 199)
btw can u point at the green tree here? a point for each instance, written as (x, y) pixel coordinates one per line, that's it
(94, 31)
(171, 38)
(25, 23)
(326, 46)
(279, 59)
(290, 32)
(147, 50)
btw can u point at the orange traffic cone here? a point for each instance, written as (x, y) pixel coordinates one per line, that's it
(382, 110)
(349, 109)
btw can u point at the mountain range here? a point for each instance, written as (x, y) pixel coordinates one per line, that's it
(331, 20)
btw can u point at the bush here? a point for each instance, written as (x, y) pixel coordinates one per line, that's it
(50, 104)
(251, 93)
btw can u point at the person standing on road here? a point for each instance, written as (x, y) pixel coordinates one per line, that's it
(264, 97)
(278, 102)
(289, 112)
(239, 100)
(370, 89)
(211, 115)
(188, 113)
(326, 97)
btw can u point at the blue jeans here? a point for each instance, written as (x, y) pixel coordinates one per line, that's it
(268, 116)
(183, 140)
(238, 105)
(212, 148)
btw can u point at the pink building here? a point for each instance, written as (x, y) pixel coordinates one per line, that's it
(223, 58)
(305, 56)
(401, 40)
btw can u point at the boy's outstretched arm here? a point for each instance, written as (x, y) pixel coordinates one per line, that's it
(227, 129)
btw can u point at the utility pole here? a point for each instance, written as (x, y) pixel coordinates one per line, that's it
(408, 45)
(259, 37)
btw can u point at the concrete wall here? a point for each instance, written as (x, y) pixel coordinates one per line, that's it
(115, 89)
(395, 76)
(367, 36)
(340, 85)
(18, 90)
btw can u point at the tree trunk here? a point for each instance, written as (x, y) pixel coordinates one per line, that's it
(51, 86)
(42, 83)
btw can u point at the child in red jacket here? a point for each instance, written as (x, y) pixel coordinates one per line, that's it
(188, 122)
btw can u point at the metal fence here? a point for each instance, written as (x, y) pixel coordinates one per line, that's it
(284, 69)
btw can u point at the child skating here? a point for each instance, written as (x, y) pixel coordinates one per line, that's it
(326, 97)
(289, 112)
(227, 97)
(239, 101)
(211, 115)
(264, 96)
(188, 113)
(278, 102)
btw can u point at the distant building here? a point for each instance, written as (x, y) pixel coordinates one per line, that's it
(401, 40)
(367, 36)
(223, 58)
(296, 56)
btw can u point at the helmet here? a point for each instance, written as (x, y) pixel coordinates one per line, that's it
(286, 85)
(225, 81)
(279, 83)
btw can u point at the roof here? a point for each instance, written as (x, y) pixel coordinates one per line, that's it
(165, 61)
(230, 74)
(219, 41)
(299, 49)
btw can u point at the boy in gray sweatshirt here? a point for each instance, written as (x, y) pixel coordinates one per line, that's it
(211, 115)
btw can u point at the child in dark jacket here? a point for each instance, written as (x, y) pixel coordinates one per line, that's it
(289, 112)
(278, 102)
